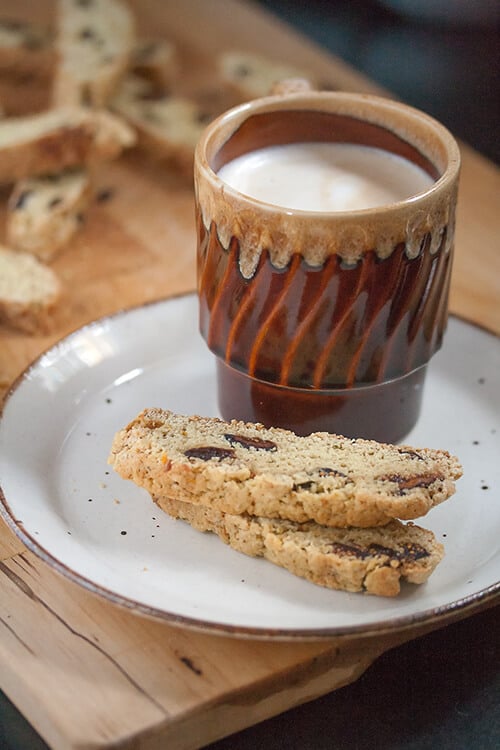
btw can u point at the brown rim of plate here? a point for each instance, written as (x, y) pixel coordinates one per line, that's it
(436, 616)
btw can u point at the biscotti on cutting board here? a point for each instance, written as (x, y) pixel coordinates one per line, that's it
(29, 291)
(236, 467)
(57, 139)
(44, 212)
(156, 60)
(252, 76)
(25, 48)
(168, 127)
(94, 40)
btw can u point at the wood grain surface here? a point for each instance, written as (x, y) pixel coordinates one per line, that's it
(84, 672)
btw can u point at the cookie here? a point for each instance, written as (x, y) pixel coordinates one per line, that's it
(371, 560)
(29, 292)
(242, 468)
(45, 212)
(94, 41)
(57, 139)
(253, 76)
(25, 48)
(156, 60)
(168, 127)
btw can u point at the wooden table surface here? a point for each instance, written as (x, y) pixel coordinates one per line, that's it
(84, 672)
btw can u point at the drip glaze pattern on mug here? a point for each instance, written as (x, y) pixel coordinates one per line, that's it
(324, 327)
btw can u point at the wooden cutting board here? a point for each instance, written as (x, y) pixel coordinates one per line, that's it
(84, 672)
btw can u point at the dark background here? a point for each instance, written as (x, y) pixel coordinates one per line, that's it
(449, 67)
(441, 691)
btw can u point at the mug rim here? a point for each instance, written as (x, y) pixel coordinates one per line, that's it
(347, 104)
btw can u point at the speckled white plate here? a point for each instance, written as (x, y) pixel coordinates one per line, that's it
(63, 500)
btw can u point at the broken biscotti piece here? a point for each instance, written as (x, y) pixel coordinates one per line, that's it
(29, 291)
(371, 560)
(45, 212)
(252, 76)
(156, 60)
(58, 139)
(237, 467)
(168, 127)
(94, 41)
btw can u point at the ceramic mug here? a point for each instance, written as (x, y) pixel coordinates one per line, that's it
(325, 320)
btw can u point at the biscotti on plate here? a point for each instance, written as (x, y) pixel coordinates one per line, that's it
(95, 39)
(57, 139)
(44, 212)
(371, 560)
(29, 291)
(241, 468)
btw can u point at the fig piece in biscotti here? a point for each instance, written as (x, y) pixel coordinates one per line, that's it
(237, 467)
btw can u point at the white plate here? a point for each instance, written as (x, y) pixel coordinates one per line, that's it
(68, 507)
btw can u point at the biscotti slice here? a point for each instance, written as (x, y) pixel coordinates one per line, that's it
(168, 127)
(25, 48)
(238, 467)
(29, 291)
(371, 560)
(252, 76)
(94, 40)
(51, 141)
(156, 60)
(45, 212)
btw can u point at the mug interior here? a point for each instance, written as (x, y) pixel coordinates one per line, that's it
(285, 126)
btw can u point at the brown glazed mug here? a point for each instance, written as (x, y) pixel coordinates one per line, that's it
(325, 320)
